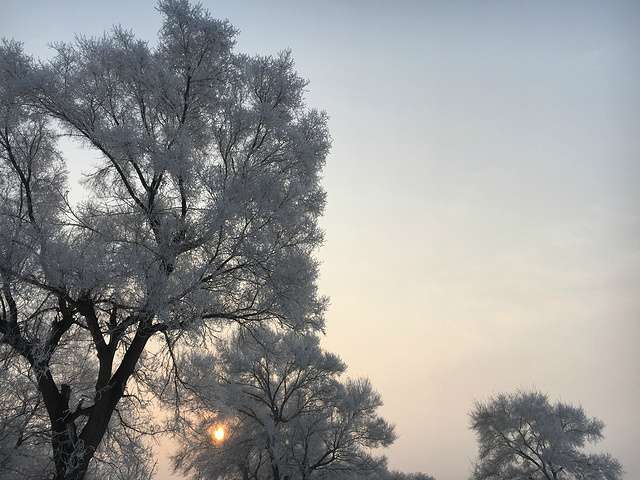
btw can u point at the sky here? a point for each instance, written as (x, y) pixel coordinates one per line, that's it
(483, 217)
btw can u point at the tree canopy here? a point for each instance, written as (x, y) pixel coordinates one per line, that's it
(201, 203)
(286, 410)
(523, 435)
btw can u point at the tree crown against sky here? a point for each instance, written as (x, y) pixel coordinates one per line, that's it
(523, 435)
(287, 412)
(200, 210)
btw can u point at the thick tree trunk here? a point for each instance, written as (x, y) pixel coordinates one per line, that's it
(64, 441)
(275, 469)
(73, 453)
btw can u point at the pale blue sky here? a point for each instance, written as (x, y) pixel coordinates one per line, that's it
(483, 224)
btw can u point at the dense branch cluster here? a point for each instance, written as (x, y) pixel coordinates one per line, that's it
(200, 210)
(286, 411)
(522, 435)
(184, 271)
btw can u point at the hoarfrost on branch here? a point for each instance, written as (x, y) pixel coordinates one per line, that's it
(202, 212)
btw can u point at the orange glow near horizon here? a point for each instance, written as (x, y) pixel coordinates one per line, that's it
(219, 434)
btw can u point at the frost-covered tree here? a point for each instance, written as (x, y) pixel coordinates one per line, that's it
(286, 412)
(395, 475)
(201, 203)
(522, 435)
(25, 432)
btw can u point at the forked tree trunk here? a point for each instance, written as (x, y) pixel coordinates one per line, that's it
(73, 452)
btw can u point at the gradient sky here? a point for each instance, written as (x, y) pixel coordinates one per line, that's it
(483, 224)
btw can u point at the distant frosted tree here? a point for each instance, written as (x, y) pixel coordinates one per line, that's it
(523, 436)
(202, 199)
(287, 413)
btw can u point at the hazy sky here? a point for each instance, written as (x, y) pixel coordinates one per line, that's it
(483, 224)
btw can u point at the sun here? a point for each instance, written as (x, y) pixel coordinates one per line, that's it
(219, 434)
